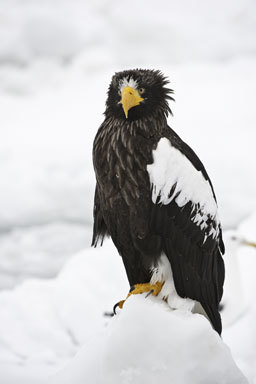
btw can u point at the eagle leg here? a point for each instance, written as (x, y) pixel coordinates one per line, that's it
(136, 289)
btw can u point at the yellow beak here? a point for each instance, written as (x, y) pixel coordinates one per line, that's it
(130, 98)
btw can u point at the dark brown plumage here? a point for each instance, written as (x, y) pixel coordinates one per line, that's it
(143, 229)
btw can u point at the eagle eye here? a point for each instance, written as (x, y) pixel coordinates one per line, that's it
(141, 91)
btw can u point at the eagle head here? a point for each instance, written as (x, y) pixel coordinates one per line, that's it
(138, 93)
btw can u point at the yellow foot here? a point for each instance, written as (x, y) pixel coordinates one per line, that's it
(153, 289)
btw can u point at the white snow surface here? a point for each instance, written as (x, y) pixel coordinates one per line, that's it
(39, 250)
(44, 322)
(148, 343)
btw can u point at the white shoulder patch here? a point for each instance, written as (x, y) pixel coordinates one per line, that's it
(173, 176)
(128, 83)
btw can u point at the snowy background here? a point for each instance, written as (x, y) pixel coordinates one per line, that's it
(56, 60)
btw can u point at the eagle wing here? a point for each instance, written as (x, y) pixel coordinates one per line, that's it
(184, 214)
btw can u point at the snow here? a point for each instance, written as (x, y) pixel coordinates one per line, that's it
(147, 343)
(39, 251)
(46, 320)
(234, 301)
(140, 32)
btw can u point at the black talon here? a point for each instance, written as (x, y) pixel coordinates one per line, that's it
(149, 293)
(114, 308)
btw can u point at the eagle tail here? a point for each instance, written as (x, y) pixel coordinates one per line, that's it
(99, 230)
(214, 317)
(99, 226)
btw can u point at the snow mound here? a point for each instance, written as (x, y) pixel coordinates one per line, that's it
(47, 320)
(147, 343)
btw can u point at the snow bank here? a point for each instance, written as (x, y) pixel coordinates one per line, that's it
(44, 322)
(147, 343)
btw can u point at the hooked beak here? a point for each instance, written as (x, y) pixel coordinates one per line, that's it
(130, 98)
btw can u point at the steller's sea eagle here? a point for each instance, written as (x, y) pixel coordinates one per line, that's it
(155, 199)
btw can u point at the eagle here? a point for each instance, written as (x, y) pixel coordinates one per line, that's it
(154, 198)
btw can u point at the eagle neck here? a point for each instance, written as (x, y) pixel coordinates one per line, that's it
(148, 127)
